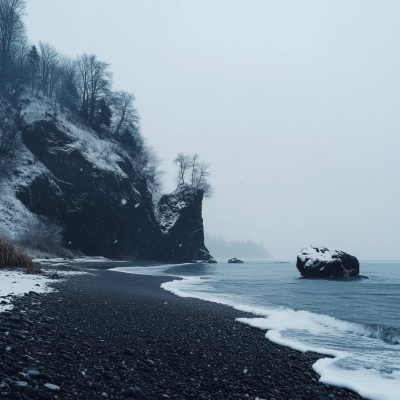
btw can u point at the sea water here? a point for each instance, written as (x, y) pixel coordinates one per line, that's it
(355, 320)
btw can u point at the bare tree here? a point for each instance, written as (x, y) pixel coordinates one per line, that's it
(56, 73)
(12, 30)
(199, 172)
(201, 179)
(194, 165)
(183, 162)
(66, 90)
(124, 112)
(49, 60)
(33, 59)
(18, 73)
(94, 83)
(155, 176)
(83, 83)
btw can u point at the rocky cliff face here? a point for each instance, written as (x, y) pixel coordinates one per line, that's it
(99, 194)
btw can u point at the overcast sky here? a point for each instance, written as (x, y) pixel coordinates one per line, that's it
(294, 103)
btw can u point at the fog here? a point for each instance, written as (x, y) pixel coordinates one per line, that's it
(294, 104)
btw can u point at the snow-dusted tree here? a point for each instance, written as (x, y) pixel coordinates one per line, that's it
(194, 166)
(183, 162)
(12, 31)
(102, 116)
(48, 66)
(124, 112)
(94, 83)
(66, 91)
(198, 172)
(201, 181)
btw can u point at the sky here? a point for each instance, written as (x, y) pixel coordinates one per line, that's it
(294, 104)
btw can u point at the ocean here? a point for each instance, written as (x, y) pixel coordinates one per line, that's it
(357, 321)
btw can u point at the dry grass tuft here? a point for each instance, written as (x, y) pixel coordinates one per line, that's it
(13, 257)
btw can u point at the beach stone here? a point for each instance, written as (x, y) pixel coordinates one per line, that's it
(20, 375)
(51, 387)
(33, 374)
(19, 384)
(7, 313)
(29, 391)
(319, 262)
(130, 392)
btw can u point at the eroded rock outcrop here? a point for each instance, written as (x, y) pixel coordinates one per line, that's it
(181, 222)
(319, 262)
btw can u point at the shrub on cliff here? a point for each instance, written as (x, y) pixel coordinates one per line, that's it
(13, 257)
(41, 236)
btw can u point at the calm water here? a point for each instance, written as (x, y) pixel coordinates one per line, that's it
(357, 321)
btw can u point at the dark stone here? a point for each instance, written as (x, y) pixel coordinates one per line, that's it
(19, 384)
(319, 262)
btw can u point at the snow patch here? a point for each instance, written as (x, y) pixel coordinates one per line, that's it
(18, 283)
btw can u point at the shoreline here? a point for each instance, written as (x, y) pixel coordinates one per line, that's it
(131, 333)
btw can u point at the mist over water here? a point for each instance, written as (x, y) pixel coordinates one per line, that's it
(355, 320)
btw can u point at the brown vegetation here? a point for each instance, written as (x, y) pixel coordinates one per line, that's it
(13, 257)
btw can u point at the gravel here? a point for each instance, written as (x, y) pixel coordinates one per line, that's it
(111, 335)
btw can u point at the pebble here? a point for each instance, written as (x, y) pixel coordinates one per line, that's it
(19, 384)
(51, 387)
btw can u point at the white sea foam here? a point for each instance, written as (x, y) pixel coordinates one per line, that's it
(357, 364)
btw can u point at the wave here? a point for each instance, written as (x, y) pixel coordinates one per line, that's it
(285, 318)
(279, 320)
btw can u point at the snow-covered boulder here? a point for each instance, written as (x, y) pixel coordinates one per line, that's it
(319, 262)
(180, 217)
(235, 261)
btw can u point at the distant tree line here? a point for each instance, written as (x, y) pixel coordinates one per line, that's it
(83, 85)
(222, 248)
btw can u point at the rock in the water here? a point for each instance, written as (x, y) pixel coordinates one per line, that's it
(235, 261)
(319, 262)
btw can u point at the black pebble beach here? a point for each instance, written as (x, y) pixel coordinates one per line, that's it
(111, 335)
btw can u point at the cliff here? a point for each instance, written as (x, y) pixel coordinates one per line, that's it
(97, 191)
